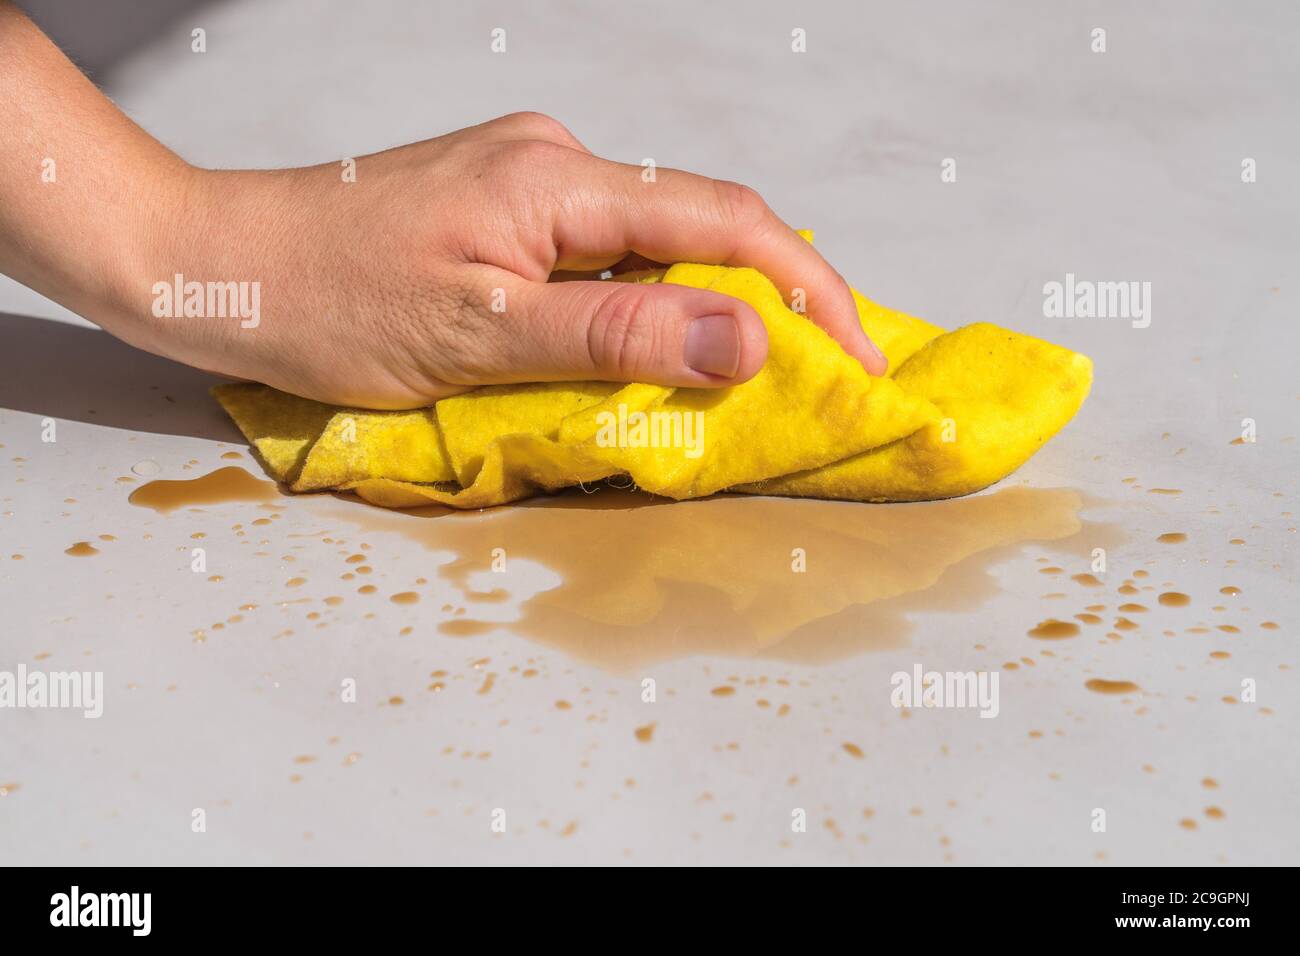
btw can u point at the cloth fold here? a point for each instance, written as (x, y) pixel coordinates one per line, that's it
(958, 411)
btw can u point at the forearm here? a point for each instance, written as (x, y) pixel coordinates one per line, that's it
(84, 191)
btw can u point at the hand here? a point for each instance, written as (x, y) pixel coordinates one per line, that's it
(423, 275)
(427, 274)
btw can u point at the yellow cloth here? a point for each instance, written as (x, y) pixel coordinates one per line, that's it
(959, 411)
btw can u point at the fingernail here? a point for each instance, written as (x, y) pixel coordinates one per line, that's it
(713, 345)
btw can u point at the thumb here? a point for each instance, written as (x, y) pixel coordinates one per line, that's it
(626, 332)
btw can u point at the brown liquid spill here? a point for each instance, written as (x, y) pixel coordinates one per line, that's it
(1269, 625)
(1174, 599)
(645, 734)
(853, 750)
(231, 455)
(1087, 580)
(218, 487)
(1111, 686)
(1124, 624)
(82, 549)
(1214, 813)
(1172, 537)
(1052, 629)
(723, 691)
(1088, 618)
(1133, 608)
(1230, 591)
(646, 580)
(405, 597)
(464, 628)
(1164, 491)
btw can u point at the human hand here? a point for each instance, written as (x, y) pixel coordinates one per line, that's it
(427, 275)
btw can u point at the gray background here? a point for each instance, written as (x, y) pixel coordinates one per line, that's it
(1116, 166)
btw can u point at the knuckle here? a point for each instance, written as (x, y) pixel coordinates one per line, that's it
(623, 336)
(741, 205)
(537, 126)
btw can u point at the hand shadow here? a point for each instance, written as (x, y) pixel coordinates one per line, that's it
(59, 370)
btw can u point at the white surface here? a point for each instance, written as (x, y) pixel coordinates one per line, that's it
(1118, 166)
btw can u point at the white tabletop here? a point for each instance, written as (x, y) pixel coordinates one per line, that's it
(1115, 166)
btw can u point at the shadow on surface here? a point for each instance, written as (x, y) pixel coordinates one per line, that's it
(85, 375)
(99, 34)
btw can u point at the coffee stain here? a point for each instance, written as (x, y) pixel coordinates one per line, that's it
(1111, 686)
(1174, 599)
(82, 549)
(466, 628)
(1172, 537)
(1052, 629)
(645, 733)
(218, 487)
(645, 580)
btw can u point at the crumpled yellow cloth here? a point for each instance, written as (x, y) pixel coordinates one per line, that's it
(959, 411)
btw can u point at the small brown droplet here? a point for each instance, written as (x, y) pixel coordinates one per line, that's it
(1052, 629)
(1111, 686)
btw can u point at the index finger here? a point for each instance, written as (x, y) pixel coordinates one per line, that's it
(682, 217)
